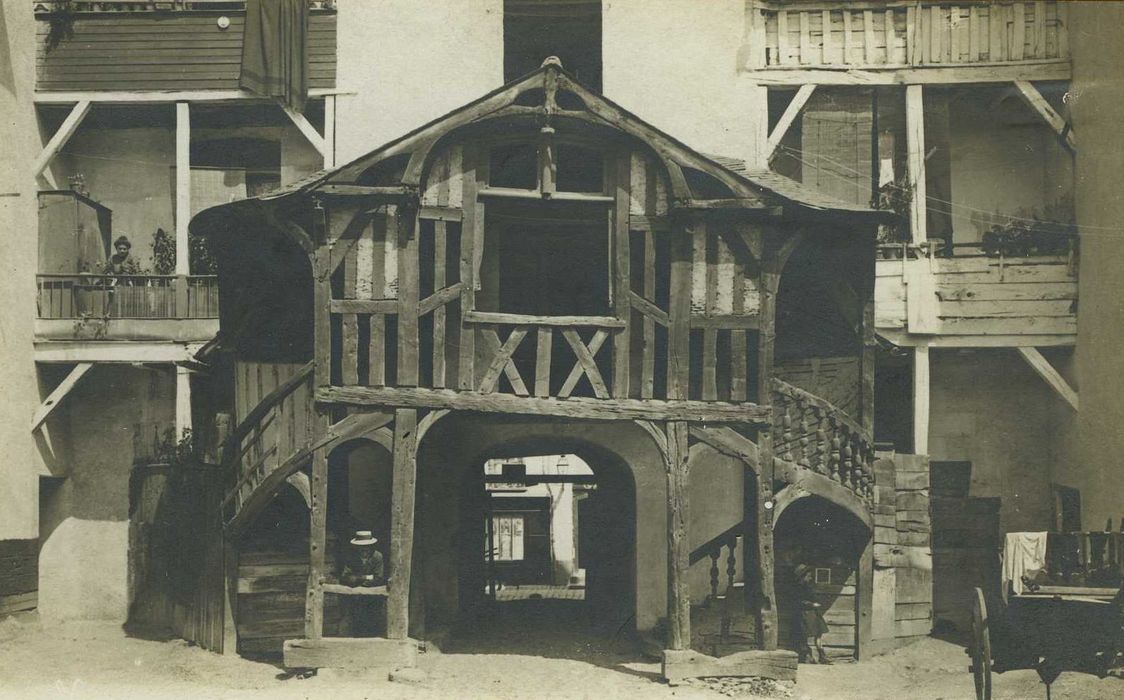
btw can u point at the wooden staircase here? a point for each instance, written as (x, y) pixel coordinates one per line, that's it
(270, 446)
(724, 622)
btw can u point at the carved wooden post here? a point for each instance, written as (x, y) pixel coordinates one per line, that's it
(317, 539)
(766, 598)
(678, 547)
(402, 522)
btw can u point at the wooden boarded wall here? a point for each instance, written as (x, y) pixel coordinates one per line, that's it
(19, 576)
(146, 51)
(176, 552)
(834, 379)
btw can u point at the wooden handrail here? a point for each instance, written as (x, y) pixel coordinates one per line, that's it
(264, 407)
(704, 549)
(782, 387)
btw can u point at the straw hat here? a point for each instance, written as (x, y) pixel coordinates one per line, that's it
(363, 537)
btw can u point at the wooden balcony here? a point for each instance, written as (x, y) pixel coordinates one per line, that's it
(907, 42)
(127, 307)
(147, 45)
(972, 299)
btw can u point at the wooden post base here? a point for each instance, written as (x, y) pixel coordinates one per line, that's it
(779, 665)
(352, 653)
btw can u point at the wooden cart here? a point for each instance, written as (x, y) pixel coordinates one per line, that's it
(1049, 629)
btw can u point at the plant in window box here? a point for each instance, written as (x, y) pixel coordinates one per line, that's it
(896, 196)
(1027, 237)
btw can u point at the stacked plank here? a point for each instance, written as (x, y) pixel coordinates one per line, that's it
(903, 562)
(19, 576)
(913, 613)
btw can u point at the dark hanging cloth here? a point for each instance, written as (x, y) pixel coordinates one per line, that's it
(275, 50)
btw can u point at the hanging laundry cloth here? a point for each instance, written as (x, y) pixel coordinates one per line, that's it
(275, 51)
(1022, 552)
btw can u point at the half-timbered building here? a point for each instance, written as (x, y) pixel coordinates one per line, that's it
(542, 269)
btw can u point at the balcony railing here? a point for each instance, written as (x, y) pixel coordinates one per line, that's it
(128, 297)
(811, 433)
(88, 6)
(903, 34)
(975, 289)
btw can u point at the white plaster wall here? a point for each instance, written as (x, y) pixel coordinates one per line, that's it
(19, 482)
(84, 555)
(989, 407)
(674, 64)
(409, 62)
(1097, 103)
(83, 571)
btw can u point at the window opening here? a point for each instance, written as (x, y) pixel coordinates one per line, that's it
(568, 29)
(545, 259)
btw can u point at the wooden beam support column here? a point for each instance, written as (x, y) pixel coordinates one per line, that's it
(183, 401)
(1034, 99)
(183, 197)
(679, 313)
(761, 511)
(795, 107)
(402, 522)
(921, 400)
(56, 142)
(915, 162)
(408, 227)
(56, 396)
(308, 130)
(329, 151)
(622, 277)
(1054, 378)
(317, 537)
(678, 544)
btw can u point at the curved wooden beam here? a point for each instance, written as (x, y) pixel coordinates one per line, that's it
(804, 482)
(303, 486)
(427, 422)
(657, 436)
(729, 442)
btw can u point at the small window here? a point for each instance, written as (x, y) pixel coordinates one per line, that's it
(514, 165)
(507, 537)
(580, 169)
(568, 29)
(548, 259)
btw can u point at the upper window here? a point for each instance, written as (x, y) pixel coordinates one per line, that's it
(568, 29)
(545, 259)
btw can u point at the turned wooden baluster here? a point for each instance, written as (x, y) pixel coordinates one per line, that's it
(845, 469)
(731, 570)
(787, 437)
(822, 457)
(714, 554)
(803, 455)
(835, 461)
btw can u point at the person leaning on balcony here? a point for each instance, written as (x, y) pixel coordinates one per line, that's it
(120, 263)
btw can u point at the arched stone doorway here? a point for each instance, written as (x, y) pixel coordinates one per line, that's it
(625, 583)
(827, 537)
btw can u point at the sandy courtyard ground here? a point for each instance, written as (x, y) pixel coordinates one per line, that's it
(100, 661)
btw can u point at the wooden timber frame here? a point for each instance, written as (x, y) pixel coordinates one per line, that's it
(365, 228)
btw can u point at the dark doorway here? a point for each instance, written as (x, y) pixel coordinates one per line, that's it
(819, 534)
(568, 29)
(550, 557)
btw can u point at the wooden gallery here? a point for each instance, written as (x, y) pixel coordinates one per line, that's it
(541, 272)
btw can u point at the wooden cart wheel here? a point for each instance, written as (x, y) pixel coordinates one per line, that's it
(981, 647)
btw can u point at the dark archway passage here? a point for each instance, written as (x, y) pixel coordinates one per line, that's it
(824, 536)
(456, 597)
